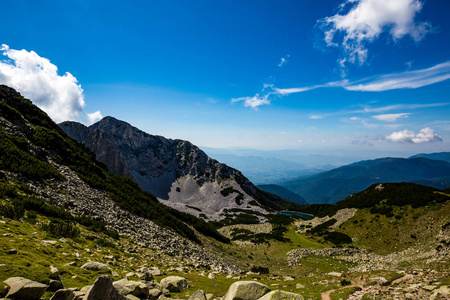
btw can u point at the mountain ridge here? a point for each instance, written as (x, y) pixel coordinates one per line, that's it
(334, 185)
(179, 173)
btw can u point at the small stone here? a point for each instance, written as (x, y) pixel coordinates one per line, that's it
(7, 235)
(335, 274)
(94, 266)
(288, 278)
(211, 276)
(48, 242)
(12, 251)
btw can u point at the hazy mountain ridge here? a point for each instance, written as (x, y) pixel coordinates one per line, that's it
(283, 192)
(176, 171)
(334, 185)
(445, 156)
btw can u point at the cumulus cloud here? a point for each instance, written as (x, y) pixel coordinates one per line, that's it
(360, 22)
(391, 117)
(253, 102)
(425, 135)
(36, 78)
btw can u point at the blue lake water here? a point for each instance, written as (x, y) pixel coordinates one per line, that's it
(292, 213)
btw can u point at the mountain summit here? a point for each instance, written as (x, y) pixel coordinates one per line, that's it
(176, 171)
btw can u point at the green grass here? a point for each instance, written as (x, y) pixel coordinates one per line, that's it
(342, 293)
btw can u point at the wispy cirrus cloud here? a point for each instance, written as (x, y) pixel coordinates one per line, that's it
(36, 78)
(391, 117)
(402, 80)
(425, 135)
(361, 22)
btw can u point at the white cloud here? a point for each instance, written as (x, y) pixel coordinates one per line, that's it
(315, 117)
(283, 60)
(253, 102)
(36, 78)
(425, 135)
(403, 80)
(365, 20)
(391, 117)
(94, 117)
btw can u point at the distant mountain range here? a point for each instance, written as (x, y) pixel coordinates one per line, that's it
(283, 193)
(264, 170)
(335, 185)
(177, 172)
(445, 156)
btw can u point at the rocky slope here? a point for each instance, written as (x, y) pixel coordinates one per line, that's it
(176, 171)
(40, 162)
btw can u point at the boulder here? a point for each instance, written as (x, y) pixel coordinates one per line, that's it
(246, 290)
(54, 285)
(154, 294)
(129, 287)
(24, 289)
(94, 266)
(12, 251)
(54, 273)
(63, 294)
(103, 289)
(281, 295)
(131, 297)
(198, 295)
(174, 284)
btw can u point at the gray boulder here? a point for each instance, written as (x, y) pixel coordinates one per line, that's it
(174, 284)
(24, 289)
(54, 285)
(154, 294)
(103, 289)
(246, 290)
(94, 266)
(64, 294)
(281, 295)
(198, 295)
(129, 287)
(54, 273)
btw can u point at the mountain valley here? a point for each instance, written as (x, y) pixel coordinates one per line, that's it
(203, 221)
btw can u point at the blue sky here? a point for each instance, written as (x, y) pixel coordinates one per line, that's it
(357, 75)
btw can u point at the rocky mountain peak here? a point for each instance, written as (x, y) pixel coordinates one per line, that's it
(174, 170)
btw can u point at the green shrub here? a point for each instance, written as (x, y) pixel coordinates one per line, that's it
(59, 228)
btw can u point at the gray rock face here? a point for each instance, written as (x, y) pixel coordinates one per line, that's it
(103, 289)
(281, 295)
(94, 266)
(64, 294)
(129, 287)
(174, 284)
(156, 163)
(24, 289)
(246, 290)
